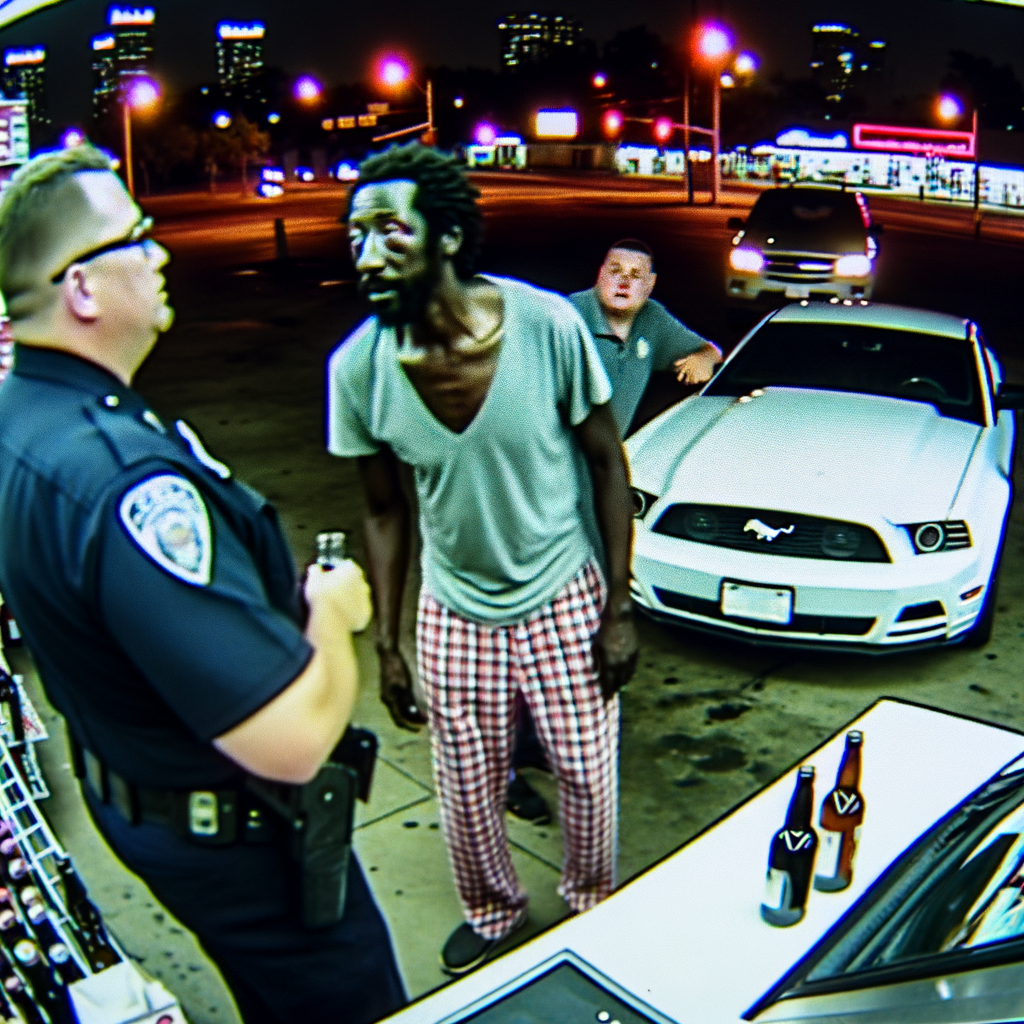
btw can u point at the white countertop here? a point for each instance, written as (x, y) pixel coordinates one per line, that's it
(686, 936)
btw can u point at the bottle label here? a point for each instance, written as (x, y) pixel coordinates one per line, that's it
(777, 890)
(846, 803)
(828, 853)
(795, 841)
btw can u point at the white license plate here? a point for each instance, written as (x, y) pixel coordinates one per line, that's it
(765, 604)
(794, 291)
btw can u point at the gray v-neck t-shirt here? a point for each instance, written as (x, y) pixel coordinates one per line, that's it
(500, 503)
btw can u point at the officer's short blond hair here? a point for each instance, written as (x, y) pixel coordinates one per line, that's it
(36, 209)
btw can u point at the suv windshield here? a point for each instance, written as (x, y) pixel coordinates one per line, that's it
(857, 358)
(807, 220)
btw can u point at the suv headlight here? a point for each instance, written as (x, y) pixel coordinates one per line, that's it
(748, 260)
(854, 265)
(945, 535)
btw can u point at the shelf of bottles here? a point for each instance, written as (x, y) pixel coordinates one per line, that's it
(58, 962)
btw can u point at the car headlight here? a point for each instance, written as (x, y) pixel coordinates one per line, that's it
(947, 535)
(642, 502)
(854, 265)
(746, 259)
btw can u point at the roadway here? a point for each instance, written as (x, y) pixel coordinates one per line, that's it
(705, 723)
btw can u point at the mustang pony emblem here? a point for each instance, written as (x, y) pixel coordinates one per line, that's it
(764, 532)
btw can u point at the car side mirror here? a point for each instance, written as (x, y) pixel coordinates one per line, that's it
(735, 223)
(1010, 396)
(875, 230)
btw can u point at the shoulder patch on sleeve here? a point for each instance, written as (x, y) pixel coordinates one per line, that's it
(166, 516)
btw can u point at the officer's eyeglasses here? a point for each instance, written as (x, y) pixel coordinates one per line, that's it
(139, 235)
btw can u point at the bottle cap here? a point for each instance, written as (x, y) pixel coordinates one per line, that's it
(26, 952)
(58, 953)
(8, 919)
(30, 894)
(17, 868)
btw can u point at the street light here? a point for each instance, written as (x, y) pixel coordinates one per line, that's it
(140, 94)
(714, 46)
(222, 119)
(600, 80)
(612, 122)
(485, 134)
(393, 72)
(308, 90)
(949, 110)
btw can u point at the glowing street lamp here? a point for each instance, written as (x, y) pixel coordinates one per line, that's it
(949, 110)
(458, 103)
(612, 122)
(308, 90)
(138, 93)
(714, 47)
(222, 119)
(485, 134)
(745, 64)
(663, 129)
(71, 138)
(393, 73)
(726, 80)
(600, 80)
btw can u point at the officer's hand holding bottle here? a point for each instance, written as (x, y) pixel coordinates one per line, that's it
(340, 590)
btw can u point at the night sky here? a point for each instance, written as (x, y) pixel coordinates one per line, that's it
(337, 40)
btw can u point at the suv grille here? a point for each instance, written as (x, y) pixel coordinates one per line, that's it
(772, 533)
(793, 267)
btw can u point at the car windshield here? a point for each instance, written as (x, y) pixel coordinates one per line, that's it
(857, 358)
(806, 220)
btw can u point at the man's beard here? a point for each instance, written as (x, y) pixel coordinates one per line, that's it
(411, 296)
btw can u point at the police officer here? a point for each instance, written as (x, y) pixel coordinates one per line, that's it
(158, 597)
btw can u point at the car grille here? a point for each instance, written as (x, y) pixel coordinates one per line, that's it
(794, 536)
(794, 268)
(821, 625)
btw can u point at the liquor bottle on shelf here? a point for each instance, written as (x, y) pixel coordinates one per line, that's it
(8, 1014)
(791, 857)
(48, 989)
(18, 995)
(12, 931)
(52, 944)
(90, 933)
(842, 812)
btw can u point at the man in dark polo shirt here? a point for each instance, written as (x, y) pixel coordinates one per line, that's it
(635, 334)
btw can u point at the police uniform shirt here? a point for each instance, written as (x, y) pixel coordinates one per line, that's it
(656, 340)
(155, 592)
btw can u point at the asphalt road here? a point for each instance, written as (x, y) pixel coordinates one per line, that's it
(245, 363)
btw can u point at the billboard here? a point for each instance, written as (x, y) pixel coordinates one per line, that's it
(20, 58)
(120, 16)
(884, 138)
(557, 124)
(231, 30)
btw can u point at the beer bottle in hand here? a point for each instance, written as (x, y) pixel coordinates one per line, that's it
(841, 815)
(791, 857)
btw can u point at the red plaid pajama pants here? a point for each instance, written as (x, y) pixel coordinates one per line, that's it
(471, 674)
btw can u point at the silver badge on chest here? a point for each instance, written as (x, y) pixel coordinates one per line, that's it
(166, 516)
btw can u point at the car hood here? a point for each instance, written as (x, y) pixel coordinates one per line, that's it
(824, 453)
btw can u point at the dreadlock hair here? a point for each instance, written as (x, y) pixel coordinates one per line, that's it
(37, 207)
(444, 195)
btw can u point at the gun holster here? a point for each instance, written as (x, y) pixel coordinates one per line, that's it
(320, 815)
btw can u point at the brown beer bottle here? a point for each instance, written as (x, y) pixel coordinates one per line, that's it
(842, 812)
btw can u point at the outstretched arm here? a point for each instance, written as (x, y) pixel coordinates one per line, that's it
(615, 645)
(387, 556)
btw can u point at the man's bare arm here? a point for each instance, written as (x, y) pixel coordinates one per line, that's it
(615, 646)
(698, 367)
(387, 558)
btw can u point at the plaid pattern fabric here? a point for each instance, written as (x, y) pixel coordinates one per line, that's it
(471, 674)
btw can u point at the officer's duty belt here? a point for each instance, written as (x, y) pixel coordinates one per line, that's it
(207, 817)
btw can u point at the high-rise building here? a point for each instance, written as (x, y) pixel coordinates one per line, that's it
(133, 39)
(240, 60)
(534, 38)
(24, 76)
(104, 75)
(841, 61)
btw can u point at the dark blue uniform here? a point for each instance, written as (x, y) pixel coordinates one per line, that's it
(159, 599)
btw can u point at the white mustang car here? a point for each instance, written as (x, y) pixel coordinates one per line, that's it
(843, 481)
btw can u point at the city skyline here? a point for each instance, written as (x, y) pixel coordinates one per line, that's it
(338, 45)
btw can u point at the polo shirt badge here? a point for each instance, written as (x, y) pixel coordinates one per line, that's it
(166, 516)
(643, 349)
